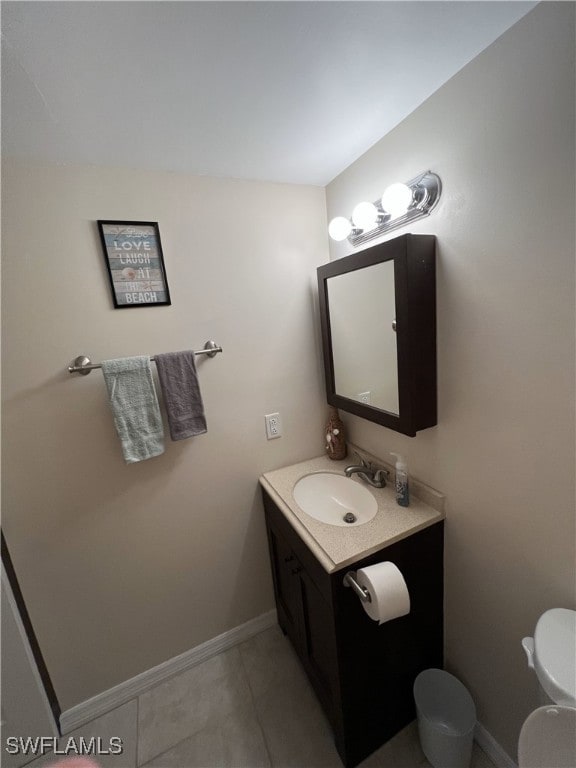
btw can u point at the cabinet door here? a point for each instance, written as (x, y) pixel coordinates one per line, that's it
(318, 643)
(285, 567)
(390, 288)
(304, 613)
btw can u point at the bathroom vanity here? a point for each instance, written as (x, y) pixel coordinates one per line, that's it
(362, 672)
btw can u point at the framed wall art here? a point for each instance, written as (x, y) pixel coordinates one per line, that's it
(135, 263)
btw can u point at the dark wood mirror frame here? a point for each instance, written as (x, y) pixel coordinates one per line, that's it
(415, 294)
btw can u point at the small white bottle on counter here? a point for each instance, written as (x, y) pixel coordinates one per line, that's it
(402, 488)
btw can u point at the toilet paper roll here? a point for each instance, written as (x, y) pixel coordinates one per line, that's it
(388, 591)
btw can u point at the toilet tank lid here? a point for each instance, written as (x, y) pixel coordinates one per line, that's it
(555, 654)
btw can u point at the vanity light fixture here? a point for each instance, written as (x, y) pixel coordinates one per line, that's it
(400, 204)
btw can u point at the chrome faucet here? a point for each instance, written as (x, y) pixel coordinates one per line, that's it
(365, 470)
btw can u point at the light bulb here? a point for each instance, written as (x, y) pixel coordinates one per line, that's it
(396, 199)
(365, 216)
(339, 228)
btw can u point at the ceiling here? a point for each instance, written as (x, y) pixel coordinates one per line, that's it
(279, 91)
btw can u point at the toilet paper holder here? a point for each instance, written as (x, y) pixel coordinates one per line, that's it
(362, 592)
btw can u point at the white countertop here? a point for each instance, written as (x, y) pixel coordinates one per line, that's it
(336, 546)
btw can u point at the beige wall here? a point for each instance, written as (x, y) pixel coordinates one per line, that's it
(501, 136)
(123, 567)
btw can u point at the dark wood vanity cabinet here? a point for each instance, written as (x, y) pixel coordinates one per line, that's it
(362, 672)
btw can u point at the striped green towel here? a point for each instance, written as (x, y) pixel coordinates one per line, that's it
(134, 407)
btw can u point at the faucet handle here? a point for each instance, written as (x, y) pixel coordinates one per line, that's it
(362, 461)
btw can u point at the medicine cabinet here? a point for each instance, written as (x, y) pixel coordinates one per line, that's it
(378, 321)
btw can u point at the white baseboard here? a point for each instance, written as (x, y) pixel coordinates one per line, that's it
(107, 700)
(490, 746)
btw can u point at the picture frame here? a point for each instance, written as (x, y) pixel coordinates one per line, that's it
(135, 263)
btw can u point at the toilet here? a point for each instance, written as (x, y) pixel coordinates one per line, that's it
(548, 736)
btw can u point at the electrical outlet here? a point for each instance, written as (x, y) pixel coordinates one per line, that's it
(273, 426)
(364, 397)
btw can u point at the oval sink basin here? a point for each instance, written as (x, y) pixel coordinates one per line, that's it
(335, 499)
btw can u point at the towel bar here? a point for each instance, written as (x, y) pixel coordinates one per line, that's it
(83, 365)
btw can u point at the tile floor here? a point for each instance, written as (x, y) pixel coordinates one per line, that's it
(249, 707)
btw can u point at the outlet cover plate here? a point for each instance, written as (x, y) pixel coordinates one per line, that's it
(273, 426)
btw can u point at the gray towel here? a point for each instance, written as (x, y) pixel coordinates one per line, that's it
(135, 407)
(181, 392)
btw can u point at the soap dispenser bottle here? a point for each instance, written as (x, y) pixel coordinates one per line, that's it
(402, 490)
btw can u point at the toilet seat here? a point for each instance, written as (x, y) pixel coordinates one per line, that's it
(548, 738)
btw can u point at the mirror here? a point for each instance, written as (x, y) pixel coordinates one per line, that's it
(378, 319)
(362, 308)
